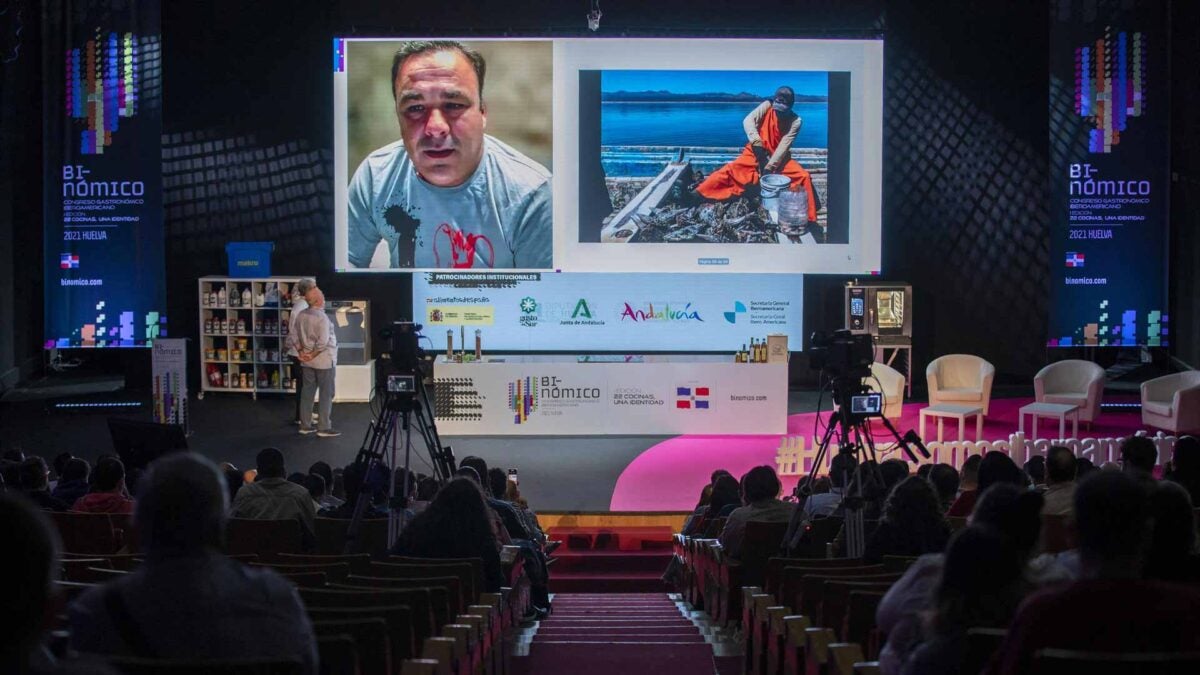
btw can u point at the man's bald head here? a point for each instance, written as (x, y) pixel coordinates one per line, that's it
(181, 504)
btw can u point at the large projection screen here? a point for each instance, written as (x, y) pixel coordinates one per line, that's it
(621, 155)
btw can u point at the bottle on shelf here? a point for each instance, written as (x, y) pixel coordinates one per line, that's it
(221, 297)
(246, 297)
(275, 379)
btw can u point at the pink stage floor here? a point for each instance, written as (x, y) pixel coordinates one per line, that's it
(669, 476)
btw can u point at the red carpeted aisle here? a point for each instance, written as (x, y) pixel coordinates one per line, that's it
(616, 633)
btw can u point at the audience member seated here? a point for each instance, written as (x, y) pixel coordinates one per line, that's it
(1170, 556)
(316, 489)
(1061, 468)
(761, 492)
(944, 480)
(703, 502)
(968, 488)
(512, 495)
(1138, 455)
(892, 471)
(234, 479)
(508, 515)
(841, 472)
(35, 482)
(455, 525)
(980, 586)
(352, 479)
(108, 493)
(427, 487)
(322, 469)
(1035, 471)
(1083, 467)
(27, 586)
(1185, 466)
(72, 481)
(59, 464)
(726, 496)
(273, 497)
(995, 467)
(519, 533)
(1110, 608)
(1012, 512)
(187, 601)
(912, 523)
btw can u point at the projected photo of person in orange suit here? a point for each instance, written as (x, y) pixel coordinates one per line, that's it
(770, 129)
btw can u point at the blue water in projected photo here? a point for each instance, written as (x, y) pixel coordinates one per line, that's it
(639, 136)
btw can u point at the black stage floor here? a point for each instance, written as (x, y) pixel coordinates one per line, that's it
(558, 473)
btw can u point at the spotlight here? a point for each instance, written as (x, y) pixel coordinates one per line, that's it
(593, 17)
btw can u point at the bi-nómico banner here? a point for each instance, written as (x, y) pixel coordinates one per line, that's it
(1109, 143)
(103, 228)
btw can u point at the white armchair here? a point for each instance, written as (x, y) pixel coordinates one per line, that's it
(1172, 402)
(889, 382)
(1071, 382)
(960, 379)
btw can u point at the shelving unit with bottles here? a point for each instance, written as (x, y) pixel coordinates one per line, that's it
(243, 329)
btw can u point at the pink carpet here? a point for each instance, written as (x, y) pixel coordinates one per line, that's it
(669, 476)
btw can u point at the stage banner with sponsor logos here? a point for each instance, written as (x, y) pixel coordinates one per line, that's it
(104, 257)
(168, 366)
(1109, 166)
(609, 312)
(543, 395)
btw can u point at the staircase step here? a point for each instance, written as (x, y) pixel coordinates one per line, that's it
(571, 561)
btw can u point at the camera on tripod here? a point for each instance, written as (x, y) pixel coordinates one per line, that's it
(841, 354)
(404, 356)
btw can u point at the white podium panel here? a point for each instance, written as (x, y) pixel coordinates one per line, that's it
(529, 396)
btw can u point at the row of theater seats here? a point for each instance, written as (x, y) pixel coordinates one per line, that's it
(372, 614)
(816, 615)
(105, 533)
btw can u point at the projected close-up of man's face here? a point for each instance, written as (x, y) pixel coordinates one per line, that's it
(442, 116)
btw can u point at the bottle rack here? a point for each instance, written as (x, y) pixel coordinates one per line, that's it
(242, 345)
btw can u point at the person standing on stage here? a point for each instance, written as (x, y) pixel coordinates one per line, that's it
(299, 304)
(770, 128)
(316, 349)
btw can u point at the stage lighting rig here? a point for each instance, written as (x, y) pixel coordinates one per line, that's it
(593, 16)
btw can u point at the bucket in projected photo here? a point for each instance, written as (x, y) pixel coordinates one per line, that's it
(793, 208)
(772, 185)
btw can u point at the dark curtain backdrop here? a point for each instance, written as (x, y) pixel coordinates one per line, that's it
(248, 147)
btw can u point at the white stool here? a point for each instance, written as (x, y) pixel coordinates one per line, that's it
(958, 412)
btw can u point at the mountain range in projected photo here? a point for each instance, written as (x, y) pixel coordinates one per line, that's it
(646, 115)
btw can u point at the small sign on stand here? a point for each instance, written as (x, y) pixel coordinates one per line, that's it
(169, 371)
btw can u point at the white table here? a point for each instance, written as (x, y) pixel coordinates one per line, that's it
(1056, 410)
(958, 412)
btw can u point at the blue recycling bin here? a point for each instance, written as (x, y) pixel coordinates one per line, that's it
(249, 259)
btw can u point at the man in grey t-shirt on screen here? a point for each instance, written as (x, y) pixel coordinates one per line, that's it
(447, 195)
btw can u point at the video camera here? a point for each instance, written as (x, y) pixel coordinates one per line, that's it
(842, 354)
(400, 367)
(404, 340)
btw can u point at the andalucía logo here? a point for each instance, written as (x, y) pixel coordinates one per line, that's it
(665, 313)
(522, 399)
(581, 309)
(738, 308)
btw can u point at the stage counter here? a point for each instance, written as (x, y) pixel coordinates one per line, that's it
(650, 395)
